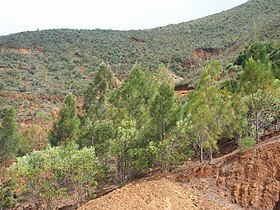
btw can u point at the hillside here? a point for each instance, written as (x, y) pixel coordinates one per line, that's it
(54, 62)
(74, 128)
(39, 64)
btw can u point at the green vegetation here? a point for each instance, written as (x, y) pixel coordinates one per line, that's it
(66, 129)
(55, 62)
(46, 175)
(258, 84)
(7, 196)
(96, 96)
(124, 128)
(9, 139)
(142, 124)
(63, 60)
(246, 143)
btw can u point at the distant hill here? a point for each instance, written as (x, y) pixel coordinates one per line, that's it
(54, 62)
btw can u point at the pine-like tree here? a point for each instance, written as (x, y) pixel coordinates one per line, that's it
(9, 139)
(163, 111)
(96, 104)
(66, 128)
(132, 99)
(258, 85)
(211, 111)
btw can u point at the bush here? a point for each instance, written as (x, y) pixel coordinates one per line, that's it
(246, 143)
(52, 173)
(7, 197)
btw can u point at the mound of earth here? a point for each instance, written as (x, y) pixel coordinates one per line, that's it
(159, 193)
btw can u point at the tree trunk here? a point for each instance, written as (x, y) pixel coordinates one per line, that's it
(276, 125)
(257, 128)
(201, 153)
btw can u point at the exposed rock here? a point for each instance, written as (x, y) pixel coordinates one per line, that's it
(22, 50)
(251, 178)
(137, 39)
(205, 53)
(199, 56)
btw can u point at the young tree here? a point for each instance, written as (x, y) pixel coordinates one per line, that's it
(121, 148)
(96, 104)
(258, 85)
(66, 128)
(132, 99)
(9, 139)
(97, 110)
(264, 53)
(173, 148)
(211, 111)
(163, 111)
(256, 51)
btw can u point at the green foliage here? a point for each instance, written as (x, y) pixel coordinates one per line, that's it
(65, 52)
(96, 96)
(97, 135)
(52, 173)
(79, 168)
(33, 176)
(211, 111)
(121, 147)
(9, 139)
(264, 109)
(246, 143)
(7, 195)
(55, 62)
(258, 85)
(256, 52)
(32, 138)
(275, 59)
(257, 76)
(140, 124)
(174, 148)
(264, 53)
(66, 128)
(95, 130)
(163, 111)
(133, 97)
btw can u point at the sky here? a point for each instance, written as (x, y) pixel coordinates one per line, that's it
(30, 15)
